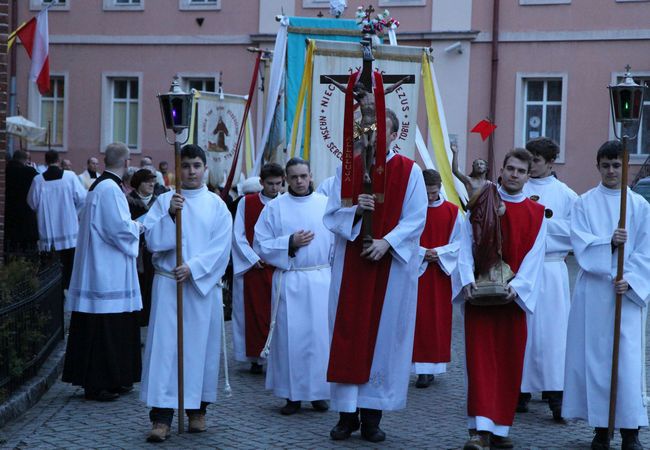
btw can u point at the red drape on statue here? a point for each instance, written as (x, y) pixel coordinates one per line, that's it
(432, 343)
(257, 286)
(495, 336)
(363, 283)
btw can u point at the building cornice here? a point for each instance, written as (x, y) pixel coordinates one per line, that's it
(567, 36)
(102, 39)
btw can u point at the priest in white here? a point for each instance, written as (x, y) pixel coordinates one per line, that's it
(252, 277)
(103, 350)
(290, 235)
(547, 328)
(596, 241)
(56, 196)
(381, 282)
(206, 249)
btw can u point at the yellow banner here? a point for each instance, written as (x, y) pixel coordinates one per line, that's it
(305, 90)
(436, 133)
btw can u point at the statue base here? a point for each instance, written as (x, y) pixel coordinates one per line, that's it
(489, 293)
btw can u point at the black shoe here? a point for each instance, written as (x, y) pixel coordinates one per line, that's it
(102, 395)
(522, 404)
(290, 408)
(555, 404)
(347, 424)
(500, 442)
(122, 389)
(601, 439)
(370, 419)
(424, 381)
(372, 433)
(256, 369)
(630, 440)
(320, 405)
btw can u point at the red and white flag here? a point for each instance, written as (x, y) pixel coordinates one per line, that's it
(34, 36)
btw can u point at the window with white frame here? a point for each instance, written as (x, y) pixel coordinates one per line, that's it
(641, 144)
(199, 4)
(123, 5)
(122, 111)
(52, 110)
(49, 111)
(542, 109)
(36, 5)
(206, 84)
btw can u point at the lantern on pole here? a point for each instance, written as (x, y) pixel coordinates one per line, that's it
(627, 106)
(176, 110)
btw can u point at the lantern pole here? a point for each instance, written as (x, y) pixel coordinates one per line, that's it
(627, 106)
(178, 120)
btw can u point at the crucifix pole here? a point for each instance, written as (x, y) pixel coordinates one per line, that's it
(363, 94)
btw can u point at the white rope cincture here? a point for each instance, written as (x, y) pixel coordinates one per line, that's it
(226, 389)
(276, 301)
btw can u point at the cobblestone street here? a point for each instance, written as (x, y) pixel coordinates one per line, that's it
(434, 418)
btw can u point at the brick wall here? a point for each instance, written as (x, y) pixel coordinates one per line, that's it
(4, 31)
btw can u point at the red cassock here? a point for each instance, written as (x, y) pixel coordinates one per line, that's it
(495, 336)
(432, 342)
(257, 286)
(363, 284)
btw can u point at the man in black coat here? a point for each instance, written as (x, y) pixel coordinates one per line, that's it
(21, 230)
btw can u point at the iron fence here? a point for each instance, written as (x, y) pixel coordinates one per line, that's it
(31, 324)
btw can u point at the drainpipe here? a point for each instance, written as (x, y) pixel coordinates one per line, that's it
(493, 83)
(13, 23)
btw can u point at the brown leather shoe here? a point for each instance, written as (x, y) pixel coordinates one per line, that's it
(159, 433)
(197, 423)
(477, 440)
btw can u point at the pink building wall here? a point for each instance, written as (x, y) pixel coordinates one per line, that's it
(587, 40)
(588, 64)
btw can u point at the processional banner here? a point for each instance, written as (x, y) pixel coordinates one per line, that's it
(218, 125)
(325, 132)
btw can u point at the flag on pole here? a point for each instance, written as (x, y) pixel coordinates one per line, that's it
(485, 128)
(34, 36)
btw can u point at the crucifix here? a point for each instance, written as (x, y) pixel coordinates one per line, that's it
(366, 130)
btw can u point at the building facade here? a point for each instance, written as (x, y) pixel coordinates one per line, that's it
(554, 59)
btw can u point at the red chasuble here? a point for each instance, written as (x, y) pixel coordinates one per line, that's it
(363, 283)
(432, 342)
(257, 286)
(495, 336)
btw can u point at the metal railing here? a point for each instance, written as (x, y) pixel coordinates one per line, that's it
(31, 324)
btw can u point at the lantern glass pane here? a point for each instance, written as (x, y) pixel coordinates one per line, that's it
(644, 131)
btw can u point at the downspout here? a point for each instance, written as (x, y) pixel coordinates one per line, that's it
(13, 24)
(493, 82)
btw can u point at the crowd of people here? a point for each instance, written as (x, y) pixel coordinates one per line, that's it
(338, 311)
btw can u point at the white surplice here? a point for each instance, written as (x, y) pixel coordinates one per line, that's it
(326, 186)
(391, 362)
(547, 328)
(57, 203)
(206, 250)
(297, 361)
(105, 277)
(591, 320)
(525, 283)
(447, 260)
(243, 258)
